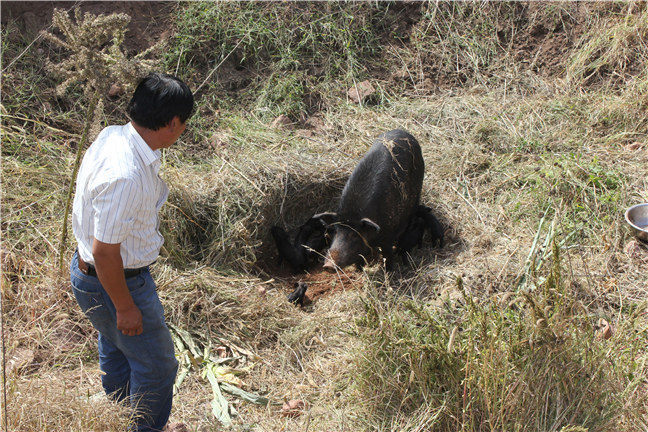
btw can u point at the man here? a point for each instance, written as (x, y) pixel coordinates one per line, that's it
(115, 222)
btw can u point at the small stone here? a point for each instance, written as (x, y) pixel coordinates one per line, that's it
(221, 352)
(283, 121)
(293, 408)
(635, 250)
(218, 141)
(115, 91)
(306, 133)
(635, 146)
(361, 91)
(604, 331)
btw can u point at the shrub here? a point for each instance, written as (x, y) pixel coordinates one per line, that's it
(528, 360)
(291, 36)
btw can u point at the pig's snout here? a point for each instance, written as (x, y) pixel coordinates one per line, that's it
(329, 266)
(329, 262)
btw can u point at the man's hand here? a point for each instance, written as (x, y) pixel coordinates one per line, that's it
(110, 270)
(129, 321)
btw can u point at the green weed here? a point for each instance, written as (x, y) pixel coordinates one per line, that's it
(296, 36)
(282, 49)
(282, 94)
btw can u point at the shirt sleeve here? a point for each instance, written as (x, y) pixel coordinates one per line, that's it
(114, 205)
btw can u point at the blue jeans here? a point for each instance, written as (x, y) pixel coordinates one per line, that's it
(138, 369)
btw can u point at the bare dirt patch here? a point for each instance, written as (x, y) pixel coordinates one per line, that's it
(546, 44)
(150, 21)
(320, 282)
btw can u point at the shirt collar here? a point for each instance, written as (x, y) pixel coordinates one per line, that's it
(145, 152)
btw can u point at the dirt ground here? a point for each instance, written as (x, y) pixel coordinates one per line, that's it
(149, 19)
(320, 282)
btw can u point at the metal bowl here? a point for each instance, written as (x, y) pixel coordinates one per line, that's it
(637, 218)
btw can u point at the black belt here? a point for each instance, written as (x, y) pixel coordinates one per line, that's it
(90, 270)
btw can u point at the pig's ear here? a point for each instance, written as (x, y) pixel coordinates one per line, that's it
(326, 217)
(368, 223)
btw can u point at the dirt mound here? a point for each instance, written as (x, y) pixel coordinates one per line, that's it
(320, 282)
(545, 42)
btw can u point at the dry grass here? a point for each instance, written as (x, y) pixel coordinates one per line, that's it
(526, 360)
(492, 199)
(614, 53)
(510, 170)
(63, 400)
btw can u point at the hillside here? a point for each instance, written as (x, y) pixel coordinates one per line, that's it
(532, 117)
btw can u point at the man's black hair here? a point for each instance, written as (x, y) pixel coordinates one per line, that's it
(157, 99)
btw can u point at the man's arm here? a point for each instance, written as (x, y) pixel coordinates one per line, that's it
(110, 270)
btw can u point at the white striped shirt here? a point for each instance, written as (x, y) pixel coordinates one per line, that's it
(118, 197)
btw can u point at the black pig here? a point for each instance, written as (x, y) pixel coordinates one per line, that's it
(297, 296)
(287, 250)
(421, 220)
(377, 202)
(431, 223)
(307, 246)
(311, 238)
(413, 236)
